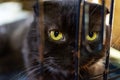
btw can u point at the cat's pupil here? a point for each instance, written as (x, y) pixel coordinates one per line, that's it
(56, 33)
(91, 34)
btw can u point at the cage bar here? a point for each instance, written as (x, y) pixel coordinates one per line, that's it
(105, 76)
(78, 37)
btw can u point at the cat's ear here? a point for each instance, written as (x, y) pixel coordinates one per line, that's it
(96, 9)
(107, 10)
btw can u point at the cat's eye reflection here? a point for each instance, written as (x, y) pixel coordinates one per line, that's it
(92, 36)
(56, 35)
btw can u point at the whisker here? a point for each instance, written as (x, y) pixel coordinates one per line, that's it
(109, 72)
(37, 72)
(115, 77)
(32, 73)
(96, 76)
(114, 70)
(23, 74)
(20, 76)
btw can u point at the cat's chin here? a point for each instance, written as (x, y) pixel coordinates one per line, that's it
(56, 74)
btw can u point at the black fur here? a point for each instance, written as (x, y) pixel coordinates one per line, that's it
(59, 56)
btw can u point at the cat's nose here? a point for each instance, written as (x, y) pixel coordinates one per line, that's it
(72, 47)
(71, 41)
(72, 44)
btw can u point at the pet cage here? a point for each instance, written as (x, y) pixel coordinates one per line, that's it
(82, 29)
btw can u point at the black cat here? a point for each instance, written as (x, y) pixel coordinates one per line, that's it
(60, 37)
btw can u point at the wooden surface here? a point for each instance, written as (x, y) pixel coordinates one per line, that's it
(116, 26)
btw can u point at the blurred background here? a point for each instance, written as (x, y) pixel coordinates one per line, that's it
(15, 19)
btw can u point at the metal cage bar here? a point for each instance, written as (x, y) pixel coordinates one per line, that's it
(108, 51)
(78, 38)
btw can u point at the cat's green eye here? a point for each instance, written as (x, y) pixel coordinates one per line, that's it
(56, 35)
(92, 36)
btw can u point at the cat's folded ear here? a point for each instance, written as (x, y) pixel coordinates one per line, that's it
(51, 6)
(96, 9)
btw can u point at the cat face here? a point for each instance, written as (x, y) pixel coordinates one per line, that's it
(60, 37)
(60, 27)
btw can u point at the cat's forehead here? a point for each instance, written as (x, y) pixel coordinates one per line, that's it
(52, 6)
(63, 12)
